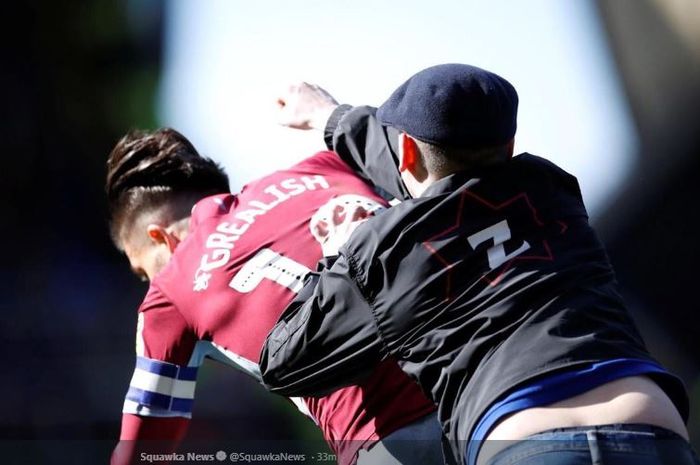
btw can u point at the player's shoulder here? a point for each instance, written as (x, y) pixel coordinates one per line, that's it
(325, 161)
(155, 297)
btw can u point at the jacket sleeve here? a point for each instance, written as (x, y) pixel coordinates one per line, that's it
(370, 148)
(326, 339)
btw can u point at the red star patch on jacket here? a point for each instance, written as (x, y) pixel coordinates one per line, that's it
(500, 250)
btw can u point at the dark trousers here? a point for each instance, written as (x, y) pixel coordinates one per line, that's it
(600, 445)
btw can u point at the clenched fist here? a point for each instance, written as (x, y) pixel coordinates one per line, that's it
(305, 106)
(334, 222)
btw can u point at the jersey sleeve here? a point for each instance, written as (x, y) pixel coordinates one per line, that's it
(370, 148)
(163, 383)
(326, 339)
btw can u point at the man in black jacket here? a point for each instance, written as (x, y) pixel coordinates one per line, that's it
(486, 283)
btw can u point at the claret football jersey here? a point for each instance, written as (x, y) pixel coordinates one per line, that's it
(243, 260)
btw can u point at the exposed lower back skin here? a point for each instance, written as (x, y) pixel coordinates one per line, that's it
(635, 399)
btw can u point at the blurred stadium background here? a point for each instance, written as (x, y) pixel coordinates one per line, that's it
(610, 89)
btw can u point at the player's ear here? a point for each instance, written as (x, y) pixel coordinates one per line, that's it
(159, 235)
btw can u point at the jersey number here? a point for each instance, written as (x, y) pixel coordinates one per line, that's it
(268, 264)
(499, 232)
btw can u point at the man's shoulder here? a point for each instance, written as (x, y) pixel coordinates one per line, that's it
(529, 166)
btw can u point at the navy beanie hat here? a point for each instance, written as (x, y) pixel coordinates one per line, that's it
(454, 105)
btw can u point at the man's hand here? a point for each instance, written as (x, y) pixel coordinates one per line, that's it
(305, 106)
(335, 221)
(336, 230)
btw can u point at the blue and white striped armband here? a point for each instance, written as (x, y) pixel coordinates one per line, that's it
(161, 389)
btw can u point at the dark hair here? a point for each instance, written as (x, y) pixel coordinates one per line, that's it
(445, 160)
(146, 170)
